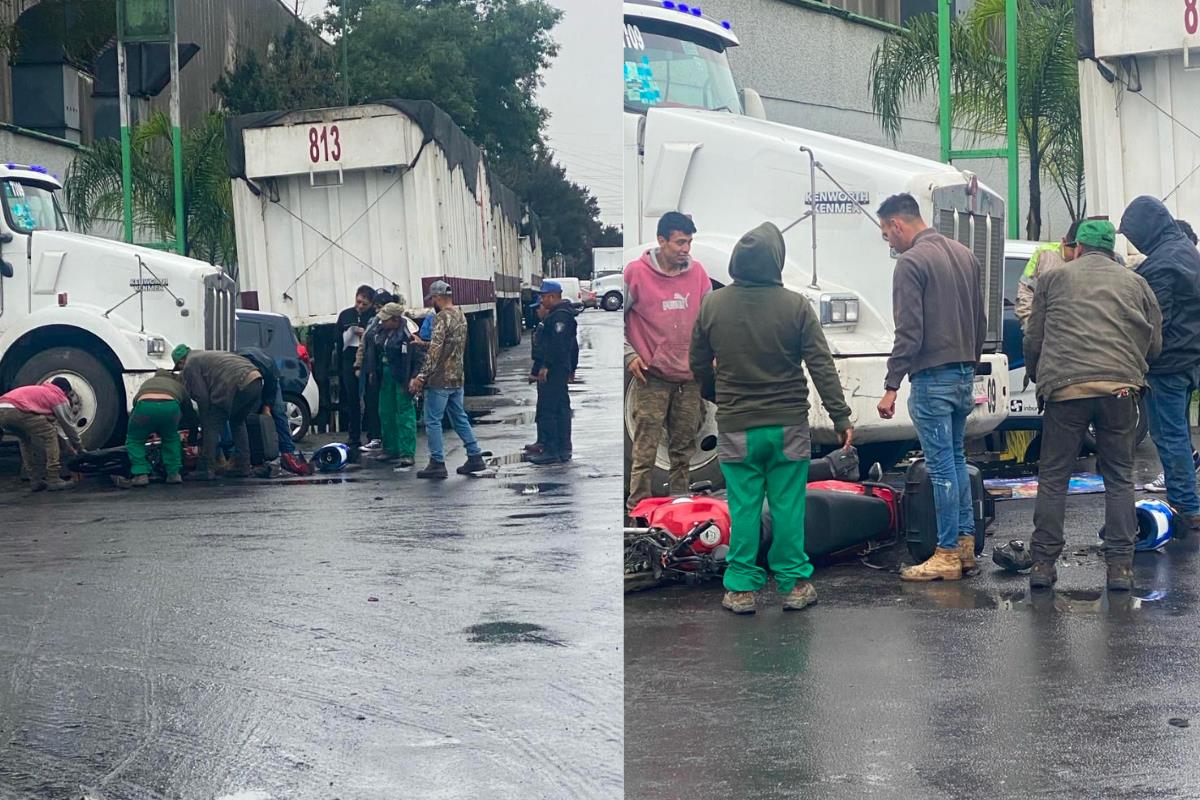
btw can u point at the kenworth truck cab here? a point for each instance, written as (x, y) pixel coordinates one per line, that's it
(101, 313)
(693, 144)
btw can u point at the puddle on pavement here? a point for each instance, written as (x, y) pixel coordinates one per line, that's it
(531, 515)
(507, 632)
(535, 488)
(1077, 601)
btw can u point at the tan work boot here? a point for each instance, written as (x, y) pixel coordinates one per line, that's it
(802, 594)
(966, 555)
(141, 481)
(943, 565)
(739, 602)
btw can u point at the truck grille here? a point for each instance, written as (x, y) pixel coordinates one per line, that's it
(983, 234)
(218, 313)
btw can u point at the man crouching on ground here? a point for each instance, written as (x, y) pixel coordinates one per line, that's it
(762, 413)
(1094, 328)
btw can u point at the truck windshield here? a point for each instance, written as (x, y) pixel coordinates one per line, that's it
(30, 207)
(670, 65)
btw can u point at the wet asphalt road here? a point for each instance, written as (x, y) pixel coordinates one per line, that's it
(378, 636)
(950, 690)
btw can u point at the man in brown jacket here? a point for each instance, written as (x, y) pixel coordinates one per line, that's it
(227, 388)
(940, 324)
(1094, 328)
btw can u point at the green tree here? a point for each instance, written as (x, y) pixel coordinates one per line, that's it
(93, 186)
(299, 71)
(904, 70)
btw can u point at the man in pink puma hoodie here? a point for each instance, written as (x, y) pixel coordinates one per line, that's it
(663, 290)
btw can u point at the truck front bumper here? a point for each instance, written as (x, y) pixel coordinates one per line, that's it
(862, 383)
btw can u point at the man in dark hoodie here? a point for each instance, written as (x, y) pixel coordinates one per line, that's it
(755, 374)
(558, 348)
(1172, 268)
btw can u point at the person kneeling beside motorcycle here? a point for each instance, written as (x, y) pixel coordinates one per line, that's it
(762, 413)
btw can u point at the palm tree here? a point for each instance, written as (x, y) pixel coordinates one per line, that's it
(93, 186)
(904, 70)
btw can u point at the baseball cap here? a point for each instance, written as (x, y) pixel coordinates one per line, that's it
(438, 289)
(551, 287)
(390, 311)
(180, 353)
(1098, 233)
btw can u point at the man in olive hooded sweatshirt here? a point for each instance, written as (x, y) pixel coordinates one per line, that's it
(760, 336)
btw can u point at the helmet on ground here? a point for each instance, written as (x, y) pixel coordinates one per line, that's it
(1155, 524)
(332, 457)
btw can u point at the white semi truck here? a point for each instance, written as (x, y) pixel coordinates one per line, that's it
(390, 195)
(693, 145)
(101, 313)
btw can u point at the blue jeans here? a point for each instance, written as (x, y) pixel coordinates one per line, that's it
(940, 402)
(443, 401)
(1167, 404)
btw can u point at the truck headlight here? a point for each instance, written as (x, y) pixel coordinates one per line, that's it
(839, 309)
(156, 346)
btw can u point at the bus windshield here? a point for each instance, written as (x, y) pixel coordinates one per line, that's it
(672, 66)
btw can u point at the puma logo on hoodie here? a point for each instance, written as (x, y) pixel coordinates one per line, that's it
(679, 303)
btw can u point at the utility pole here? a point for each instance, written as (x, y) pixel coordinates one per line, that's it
(1010, 152)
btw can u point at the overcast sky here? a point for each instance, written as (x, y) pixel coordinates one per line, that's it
(582, 94)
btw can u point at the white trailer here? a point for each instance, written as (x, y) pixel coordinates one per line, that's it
(690, 147)
(607, 261)
(1139, 78)
(391, 195)
(103, 314)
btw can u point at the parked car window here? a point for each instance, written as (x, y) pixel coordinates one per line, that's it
(1013, 267)
(249, 333)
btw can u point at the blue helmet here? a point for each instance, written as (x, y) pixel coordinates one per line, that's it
(332, 457)
(1155, 525)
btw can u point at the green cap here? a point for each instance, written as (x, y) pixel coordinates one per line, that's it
(180, 353)
(1098, 233)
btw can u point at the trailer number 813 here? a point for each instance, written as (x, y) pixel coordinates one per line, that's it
(324, 144)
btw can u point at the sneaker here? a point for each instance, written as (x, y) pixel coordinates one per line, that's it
(1120, 577)
(802, 595)
(140, 481)
(435, 470)
(374, 444)
(739, 602)
(59, 485)
(293, 464)
(1042, 575)
(383, 456)
(37, 486)
(1158, 485)
(474, 463)
(174, 480)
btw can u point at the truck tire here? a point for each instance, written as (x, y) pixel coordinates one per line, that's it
(481, 350)
(705, 465)
(101, 395)
(511, 323)
(612, 301)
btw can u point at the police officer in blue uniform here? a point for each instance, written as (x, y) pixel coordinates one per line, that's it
(559, 351)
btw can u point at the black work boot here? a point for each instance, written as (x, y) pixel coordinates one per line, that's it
(435, 470)
(545, 458)
(1120, 576)
(1043, 575)
(474, 464)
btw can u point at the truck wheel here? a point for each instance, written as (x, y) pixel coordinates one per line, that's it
(299, 418)
(704, 467)
(612, 301)
(101, 396)
(481, 351)
(511, 323)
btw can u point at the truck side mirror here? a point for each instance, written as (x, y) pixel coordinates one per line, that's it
(753, 104)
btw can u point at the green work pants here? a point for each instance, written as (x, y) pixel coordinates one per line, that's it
(150, 417)
(397, 417)
(768, 463)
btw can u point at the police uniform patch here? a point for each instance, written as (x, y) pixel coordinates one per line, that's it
(559, 327)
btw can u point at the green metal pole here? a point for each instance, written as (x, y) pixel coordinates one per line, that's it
(1014, 162)
(177, 145)
(123, 104)
(345, 61)
(944, 7)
